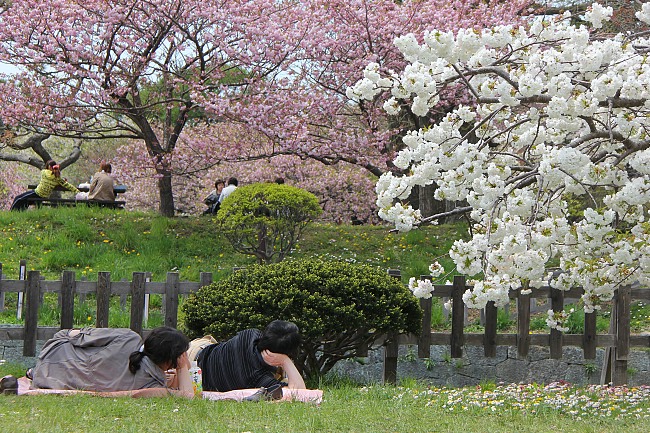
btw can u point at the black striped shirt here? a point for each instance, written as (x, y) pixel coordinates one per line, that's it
(236, 364)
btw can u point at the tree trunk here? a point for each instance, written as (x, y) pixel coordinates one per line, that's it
(427, 204)
(165, 189)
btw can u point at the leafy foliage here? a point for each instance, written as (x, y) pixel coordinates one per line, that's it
(266, 220)
(340, 308)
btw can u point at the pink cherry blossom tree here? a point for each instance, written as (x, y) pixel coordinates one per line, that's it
(149, 70)
(12, 183)
(135, 69)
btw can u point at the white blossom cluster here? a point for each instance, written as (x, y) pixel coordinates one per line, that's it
(421, 288)
(424, 288)
(560, 117)
(557, 319)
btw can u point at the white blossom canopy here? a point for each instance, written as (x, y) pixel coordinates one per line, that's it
(559, 114)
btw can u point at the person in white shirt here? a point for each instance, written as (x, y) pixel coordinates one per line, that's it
(232, 185)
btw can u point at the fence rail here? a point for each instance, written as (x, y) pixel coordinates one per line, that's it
(617, 342)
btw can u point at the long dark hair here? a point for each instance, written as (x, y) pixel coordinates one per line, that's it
(162, 345)
(280, 336)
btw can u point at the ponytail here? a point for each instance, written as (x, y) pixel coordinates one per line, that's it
(53, 167)
(135, 359)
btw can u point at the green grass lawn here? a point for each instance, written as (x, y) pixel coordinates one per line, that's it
(88, 240)
(511, 408)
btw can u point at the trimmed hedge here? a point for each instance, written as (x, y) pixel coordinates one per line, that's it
(341, 308)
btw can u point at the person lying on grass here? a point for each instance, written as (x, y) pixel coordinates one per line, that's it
(116, 362)
(250, 359)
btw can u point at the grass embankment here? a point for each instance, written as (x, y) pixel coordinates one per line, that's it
(87, 240)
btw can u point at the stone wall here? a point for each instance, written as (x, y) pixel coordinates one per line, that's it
(12, 351)
(473, 368)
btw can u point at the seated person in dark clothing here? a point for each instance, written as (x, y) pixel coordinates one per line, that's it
(212, 200)
(250, 359)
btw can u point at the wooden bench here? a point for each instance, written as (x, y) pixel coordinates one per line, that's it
(55, 202)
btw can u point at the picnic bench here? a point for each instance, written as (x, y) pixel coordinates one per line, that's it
(57, 201)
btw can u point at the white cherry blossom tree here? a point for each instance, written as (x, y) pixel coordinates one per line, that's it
(558, 113)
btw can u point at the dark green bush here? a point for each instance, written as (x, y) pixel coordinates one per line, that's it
(266, 219)
(340, 308)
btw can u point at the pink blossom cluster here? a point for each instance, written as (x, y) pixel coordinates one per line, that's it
(12, 183)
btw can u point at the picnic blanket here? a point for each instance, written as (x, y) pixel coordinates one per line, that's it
(303, 395)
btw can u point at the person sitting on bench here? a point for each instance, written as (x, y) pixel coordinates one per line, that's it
(50, 179)
(103, 184)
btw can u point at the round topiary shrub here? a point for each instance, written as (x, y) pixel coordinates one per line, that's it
(266, 219)
(341, 308)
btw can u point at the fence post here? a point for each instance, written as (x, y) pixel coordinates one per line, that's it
(490, 336)
(555, 337)
(610, 351)
(391, 351)
(391, 347)
(103, 298)
(523, 322)
(33, 293)
(205, 279)
(619, 377)
(67, 299)
(457, 317)
(424, 340)
(589, 337)
(2, 293)
(171, 299)
(22, 275)
(145, 313)
(137, 301)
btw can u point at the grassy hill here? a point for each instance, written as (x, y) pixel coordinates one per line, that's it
(89, 240)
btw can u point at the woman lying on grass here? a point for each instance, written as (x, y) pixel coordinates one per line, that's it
(114, 362)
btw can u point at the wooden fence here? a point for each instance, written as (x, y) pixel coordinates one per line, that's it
(33, 286)
(617, 342)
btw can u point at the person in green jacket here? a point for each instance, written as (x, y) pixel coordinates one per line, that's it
(50, 179)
